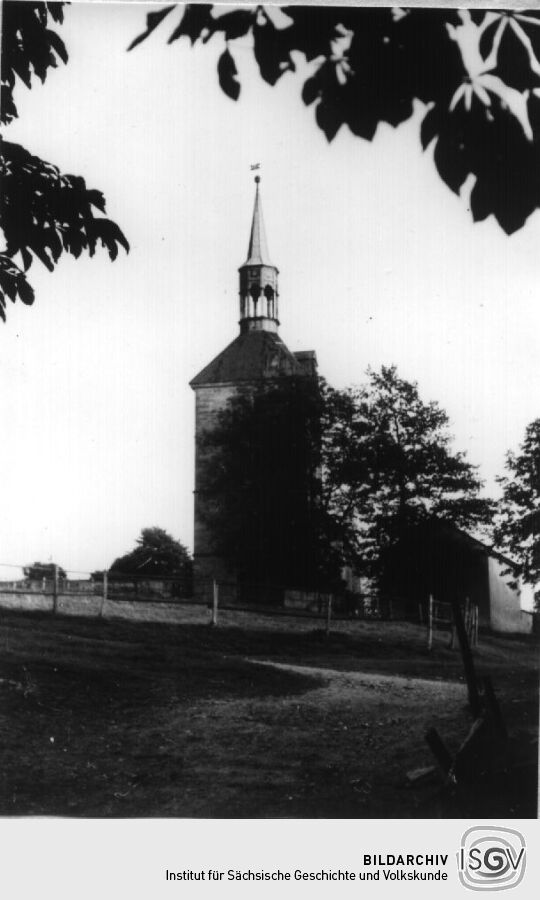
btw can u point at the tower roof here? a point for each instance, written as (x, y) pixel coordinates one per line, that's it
(258, 353)
(258, 250)
(252, 356)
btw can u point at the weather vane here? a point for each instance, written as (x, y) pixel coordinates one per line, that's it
(253, 167)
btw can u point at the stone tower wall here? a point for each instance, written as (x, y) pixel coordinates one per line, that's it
(210, 401)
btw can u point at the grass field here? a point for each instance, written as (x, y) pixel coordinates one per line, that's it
(261, 716)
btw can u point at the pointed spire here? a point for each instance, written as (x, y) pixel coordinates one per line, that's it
(258, 279)
(258, 249)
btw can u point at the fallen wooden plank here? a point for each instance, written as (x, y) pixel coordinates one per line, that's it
(424, 773)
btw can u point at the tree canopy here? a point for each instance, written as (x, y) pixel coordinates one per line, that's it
(475, 72)
(156, 555)
(302, 481)
(261, 486)
(388, 465)
(38, 570)
(43, 212)
(518, 521)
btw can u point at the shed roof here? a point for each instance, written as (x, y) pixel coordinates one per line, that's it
(434, 527)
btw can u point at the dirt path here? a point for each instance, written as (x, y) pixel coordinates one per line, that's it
(339, 749)
(398, 689)
(125, 719)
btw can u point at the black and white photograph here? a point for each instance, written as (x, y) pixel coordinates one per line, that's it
(270, 455)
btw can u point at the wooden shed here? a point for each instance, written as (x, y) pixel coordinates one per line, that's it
(439, 559)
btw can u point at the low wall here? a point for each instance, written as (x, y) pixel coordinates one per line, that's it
(30, 601)
(91, 606)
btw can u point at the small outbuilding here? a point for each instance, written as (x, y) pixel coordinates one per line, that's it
(436, 558)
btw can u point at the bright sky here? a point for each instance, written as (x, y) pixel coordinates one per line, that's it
(379, 261)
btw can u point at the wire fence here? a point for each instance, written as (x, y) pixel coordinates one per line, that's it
(49, 588)
(51, 581)
(104, 594)
(285, 600)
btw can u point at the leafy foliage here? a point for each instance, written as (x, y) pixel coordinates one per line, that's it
(157, 555)
(43, 213)
(29, 48)
(518, 521)
(387, 466)
(261, 489)
(478, 74)
(37, 571)
(298, 481)
(13, 284)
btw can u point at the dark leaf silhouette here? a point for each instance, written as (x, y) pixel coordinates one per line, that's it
(371, 65)
(196, 20)
(234, 24)
(511, 41)
(153, 19)
(13, 285)
(57, 45)
(272, 49)
(489, 143)
(43, 213)
(430, 126)
(310, 91)
(29, 48)
(227, 73)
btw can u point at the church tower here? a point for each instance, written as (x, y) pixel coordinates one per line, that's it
(255, 358)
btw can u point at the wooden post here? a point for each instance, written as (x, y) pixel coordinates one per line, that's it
(474, 621)
(215, 601)
(468, 665)
(439, 749)
(328, 614)
(104, 593)
(55, 590)
(430, 623)
(493, 707)
(467, 618)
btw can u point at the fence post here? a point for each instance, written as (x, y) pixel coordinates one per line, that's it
(104, 597)
(328, 614)
(55, 590)
(215, 601)
(468, 664)
(468, 612)
(430, 623)
(493, 707)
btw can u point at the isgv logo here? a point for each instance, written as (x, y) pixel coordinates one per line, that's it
(491, 858)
